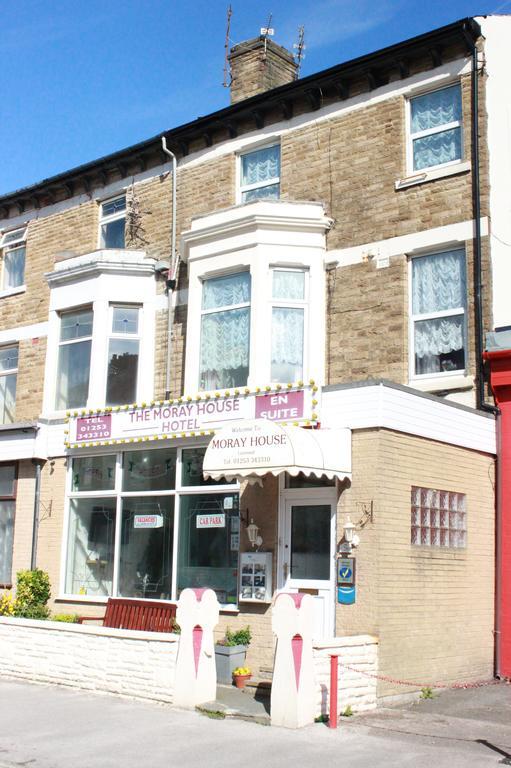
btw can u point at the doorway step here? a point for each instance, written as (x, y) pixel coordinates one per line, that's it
(251, 703)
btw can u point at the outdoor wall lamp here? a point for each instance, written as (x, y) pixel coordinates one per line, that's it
(253, 534)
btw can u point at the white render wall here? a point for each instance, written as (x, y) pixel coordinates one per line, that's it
(139, 664)
(356, 689)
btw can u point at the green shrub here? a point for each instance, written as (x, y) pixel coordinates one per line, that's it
(69, 618)
(32, 594)
(36, 611)
(239, 637)
(33, 587)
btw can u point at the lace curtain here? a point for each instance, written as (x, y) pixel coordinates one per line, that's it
(286, 344)
(262, 165)
(226, 291)
(438, 284)
(225, 344)
(14, 268)
(432, 111)
(288, 285)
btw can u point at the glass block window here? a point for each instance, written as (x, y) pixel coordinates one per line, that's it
(439, 518)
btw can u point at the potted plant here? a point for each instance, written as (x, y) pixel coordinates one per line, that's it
(240, 676)
(230, 653)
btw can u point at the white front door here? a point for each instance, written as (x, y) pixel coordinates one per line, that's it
(307, 549)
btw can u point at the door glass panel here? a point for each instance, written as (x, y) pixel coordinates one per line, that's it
(310, 542)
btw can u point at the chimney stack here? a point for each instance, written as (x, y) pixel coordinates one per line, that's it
(259, 65)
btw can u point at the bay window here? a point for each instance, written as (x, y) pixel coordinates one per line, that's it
(260, 174)
(123, 353)
(74, 359)
(438, 317)
(225, 332)
(436, 137)
(287, 324)
(8, 474)
(8, 376)
(146, 524)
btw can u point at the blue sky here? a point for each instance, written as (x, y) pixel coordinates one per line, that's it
(83, 78)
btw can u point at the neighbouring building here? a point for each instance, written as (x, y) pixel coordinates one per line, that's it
(307, 358)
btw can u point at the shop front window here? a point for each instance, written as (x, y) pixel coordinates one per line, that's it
(130, 513)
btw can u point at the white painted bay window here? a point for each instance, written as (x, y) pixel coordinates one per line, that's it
(8, 376)
(123, 354)
(146, 524)
(74, 359)
(288, 322)
(438, 317)
(436, 135)
(225, 332)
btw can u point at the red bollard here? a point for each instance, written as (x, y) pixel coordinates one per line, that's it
(332, 721)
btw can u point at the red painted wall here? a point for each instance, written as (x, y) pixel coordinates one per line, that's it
(500, 377)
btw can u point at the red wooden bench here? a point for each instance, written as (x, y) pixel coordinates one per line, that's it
(145, 615)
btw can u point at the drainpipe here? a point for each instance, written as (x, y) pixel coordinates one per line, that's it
(172, 273)
(476, 203)
(35, 523)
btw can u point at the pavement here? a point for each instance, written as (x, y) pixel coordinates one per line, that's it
(51, 727)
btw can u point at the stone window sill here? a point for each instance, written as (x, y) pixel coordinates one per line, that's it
(435, 173)
(13, 291)
(442, 383)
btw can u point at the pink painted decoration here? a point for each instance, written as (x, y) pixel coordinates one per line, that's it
(197, 645)
(297, 648)
(296, 597)
(199, 592)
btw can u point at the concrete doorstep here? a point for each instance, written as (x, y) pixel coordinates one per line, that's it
(251, 703)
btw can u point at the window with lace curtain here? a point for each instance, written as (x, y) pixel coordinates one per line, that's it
(438, 315)
(436, 135)
(225, 332)
(260, 174)
(289, 298)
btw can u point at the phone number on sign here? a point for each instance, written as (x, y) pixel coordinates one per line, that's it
(92, 435)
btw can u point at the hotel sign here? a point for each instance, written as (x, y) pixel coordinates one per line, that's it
(189, 417)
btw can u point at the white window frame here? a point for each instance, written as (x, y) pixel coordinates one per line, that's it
(118, 494)
(68, 342)
(258, 185)
(10, 372)
(431, 131)
(228, 308)
(412, 319)
(291, 304)
(111, 217)
(123, 336)
(12, 240)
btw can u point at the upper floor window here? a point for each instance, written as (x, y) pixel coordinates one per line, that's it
(74, 359)
(112, 223)
(438, 312)
(260, 174)
(8, 375)
(123, 352)
(288, 324)
(225, 332)
(436, 128)
(13, 259)
(8, 473)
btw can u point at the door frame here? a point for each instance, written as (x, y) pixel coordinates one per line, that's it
(327, 495)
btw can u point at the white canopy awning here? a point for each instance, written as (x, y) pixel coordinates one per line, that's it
(248, 450)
